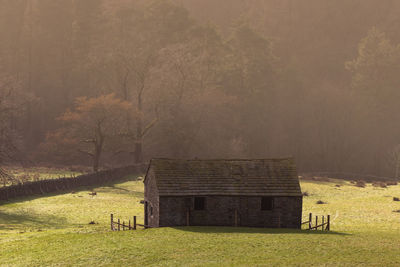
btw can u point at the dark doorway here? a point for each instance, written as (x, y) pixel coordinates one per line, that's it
(146, 219)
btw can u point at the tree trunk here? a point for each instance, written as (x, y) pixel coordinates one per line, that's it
(139, 142)
(98, 149)
(96, 162)
(138, 152)
(139, 130)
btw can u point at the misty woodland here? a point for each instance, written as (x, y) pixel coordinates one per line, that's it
(107, 82)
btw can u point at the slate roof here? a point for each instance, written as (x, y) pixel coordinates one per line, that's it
(231, 177)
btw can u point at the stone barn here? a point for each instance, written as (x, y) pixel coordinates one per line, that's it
(225, 192)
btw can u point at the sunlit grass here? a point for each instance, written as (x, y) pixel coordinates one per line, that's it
(55, 230)
(353, 208)
(73, 210)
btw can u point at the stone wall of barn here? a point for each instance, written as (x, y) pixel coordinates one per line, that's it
(220, 211)
(151, 201)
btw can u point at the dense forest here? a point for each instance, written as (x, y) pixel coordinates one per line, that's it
(113, 82)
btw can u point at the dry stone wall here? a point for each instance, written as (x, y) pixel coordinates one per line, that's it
(63, 184)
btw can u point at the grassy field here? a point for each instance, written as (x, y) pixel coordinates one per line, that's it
(55, 230)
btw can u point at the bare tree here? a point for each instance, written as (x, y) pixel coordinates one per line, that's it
(92, 126)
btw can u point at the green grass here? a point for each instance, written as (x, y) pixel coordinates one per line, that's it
(55, 230)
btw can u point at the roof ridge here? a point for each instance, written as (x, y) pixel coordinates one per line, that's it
(221, 159)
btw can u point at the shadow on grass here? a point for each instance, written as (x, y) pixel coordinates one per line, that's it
(120, 190)
(12, 221)
(111, 184)
(253, 230)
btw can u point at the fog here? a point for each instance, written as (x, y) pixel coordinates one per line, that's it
(113, 82)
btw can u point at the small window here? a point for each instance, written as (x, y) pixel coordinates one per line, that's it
(267, 203)
(199, 203)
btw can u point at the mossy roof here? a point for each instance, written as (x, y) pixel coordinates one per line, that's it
(230, 177)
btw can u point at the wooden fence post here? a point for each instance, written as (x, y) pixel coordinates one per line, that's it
(134, 222)
(328, 226)
(323, 221)
(123, 225)
(129, 227)
(316, 222)
(112, 222)
(119, 225)
(310, 221)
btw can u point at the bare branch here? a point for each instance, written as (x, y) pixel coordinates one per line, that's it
(149, 126)
(85, 152)
(88, 141)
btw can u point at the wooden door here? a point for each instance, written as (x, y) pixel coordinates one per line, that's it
(146, 213)
(243, 211)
